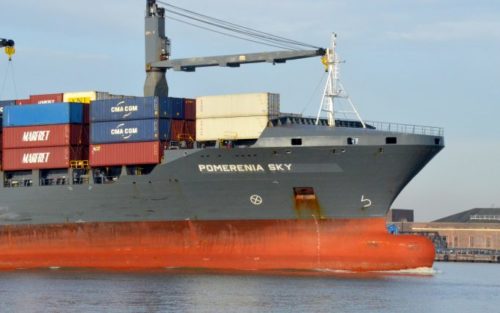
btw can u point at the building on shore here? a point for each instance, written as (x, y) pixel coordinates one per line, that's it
(469, 236)
(472, 229)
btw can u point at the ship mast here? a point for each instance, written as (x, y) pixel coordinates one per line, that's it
(333, 88)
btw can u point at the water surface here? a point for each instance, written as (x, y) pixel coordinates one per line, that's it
(455, 287)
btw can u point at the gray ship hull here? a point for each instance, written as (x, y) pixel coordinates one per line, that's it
(259, 182)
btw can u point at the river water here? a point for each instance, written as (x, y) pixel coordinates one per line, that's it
(449, 287)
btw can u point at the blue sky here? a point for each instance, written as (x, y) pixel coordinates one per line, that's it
(424, 62)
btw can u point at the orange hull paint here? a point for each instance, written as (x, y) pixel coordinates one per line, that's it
(343, 244)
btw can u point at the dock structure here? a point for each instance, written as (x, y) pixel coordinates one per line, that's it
(468, 255)
(468, 236)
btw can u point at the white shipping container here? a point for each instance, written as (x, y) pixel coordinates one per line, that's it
(85, 96)
(238, 105)
(230, 128)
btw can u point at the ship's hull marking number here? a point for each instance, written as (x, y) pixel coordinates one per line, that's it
(366, 202)
(256, 199)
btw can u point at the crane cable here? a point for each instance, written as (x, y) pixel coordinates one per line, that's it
(243, 30)
(314, 93)
(230, 35)
(10, 70)
(228, 28)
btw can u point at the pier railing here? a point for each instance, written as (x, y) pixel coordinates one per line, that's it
(406, 128)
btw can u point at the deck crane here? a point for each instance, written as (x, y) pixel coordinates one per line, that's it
(158, 60)
(9, 47)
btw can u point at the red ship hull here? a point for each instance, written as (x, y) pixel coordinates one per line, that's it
(340, 244)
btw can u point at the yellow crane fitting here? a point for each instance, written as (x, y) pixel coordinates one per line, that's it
(10, 51)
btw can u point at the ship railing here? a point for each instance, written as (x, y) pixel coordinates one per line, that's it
(12, 183)
(62, 181)
(374, 125)
(406, 128)
(54, 181)
(101, 179)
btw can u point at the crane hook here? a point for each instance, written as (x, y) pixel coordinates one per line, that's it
(10, 50)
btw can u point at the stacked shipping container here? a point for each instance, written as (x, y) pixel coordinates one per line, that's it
(132, 131)
(3, 104)
(22, 132)
(117, 120)
(42, 99)
(45, 136)
(124, 130)
(6, 103)
(188, 131)
(78, 97)
(234, 117)
(185, 129)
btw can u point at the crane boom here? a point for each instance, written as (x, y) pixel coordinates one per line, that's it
(190, 64)
(6, 43)
(158, 54)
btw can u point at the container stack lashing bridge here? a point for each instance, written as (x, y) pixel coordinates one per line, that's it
(9, 47)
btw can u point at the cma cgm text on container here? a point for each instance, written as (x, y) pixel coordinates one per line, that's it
(136, 108)
(130, 131)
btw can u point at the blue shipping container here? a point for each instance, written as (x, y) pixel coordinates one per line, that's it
(126, 109)
(130, 131)
(175, 107)
(43, 114)
(6, 103)
(136, 108)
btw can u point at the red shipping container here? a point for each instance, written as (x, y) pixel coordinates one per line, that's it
(47, 98)
(131, 153)
(45, 136)
(41, 158)
(86, 113)
(190, 109)
(23, 101)
(183, 130)
(191, 129)
(178, 129)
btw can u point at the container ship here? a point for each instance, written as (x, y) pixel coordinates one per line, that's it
(96, 180)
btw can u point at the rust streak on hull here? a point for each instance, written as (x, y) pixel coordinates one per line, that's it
(340, 244)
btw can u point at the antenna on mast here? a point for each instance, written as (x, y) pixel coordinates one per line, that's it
(333, 88)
